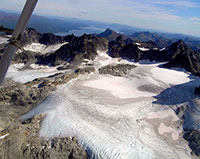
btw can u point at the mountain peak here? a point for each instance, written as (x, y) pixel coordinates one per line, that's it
(180, 45)
(109, 31)
(180, 42)
(112, 35)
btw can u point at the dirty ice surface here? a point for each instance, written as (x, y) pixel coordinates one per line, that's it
(121, 117)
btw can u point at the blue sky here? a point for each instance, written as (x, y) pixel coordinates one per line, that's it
(180, 16)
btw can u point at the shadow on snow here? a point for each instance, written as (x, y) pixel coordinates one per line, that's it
(183, 94)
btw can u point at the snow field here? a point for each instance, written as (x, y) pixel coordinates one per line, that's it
(117, 117)
(23, 76)
(130, 127)
(3, 40)
(37, 47)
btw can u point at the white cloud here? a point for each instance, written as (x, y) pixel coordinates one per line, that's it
(158, 16)
(196, 19)
(177, 3)
(152, 14)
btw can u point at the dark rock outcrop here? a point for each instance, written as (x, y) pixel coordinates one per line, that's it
(84, 47)
(30, 36)
(117, 70)
(115, 48)
(76, 49)
(34, 92)
(29, 145)
(131, 51)
(51, 39)
(33, 36)
(197, 91)
(149, 44)
(26, 57)
(184, 57)
(128, 41)
(20, 95)
(193, 136)
(177, 55)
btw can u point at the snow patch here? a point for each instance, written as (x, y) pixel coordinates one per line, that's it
(162, 49)
(138, 44)
(15, 67)
(103, 59)
(23, 76)
(143, 49)
(3, 40)
(2, 137)
(170, 77)
(37, 47)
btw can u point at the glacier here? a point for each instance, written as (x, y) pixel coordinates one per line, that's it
(128, 117)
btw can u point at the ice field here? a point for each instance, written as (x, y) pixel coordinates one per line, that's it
(128, 117)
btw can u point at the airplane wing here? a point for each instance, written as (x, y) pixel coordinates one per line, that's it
(16, 34)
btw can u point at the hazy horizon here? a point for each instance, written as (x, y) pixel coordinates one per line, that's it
(179, 16)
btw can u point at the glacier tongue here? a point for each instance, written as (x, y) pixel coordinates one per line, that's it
(110, 127)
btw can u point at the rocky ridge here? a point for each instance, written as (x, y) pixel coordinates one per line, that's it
(84, 47)
(117, 70)
(33, 36)
(28, 144)
(75, 51)
(176, 55)
(16, 100)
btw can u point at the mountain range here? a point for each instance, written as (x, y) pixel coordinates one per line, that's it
(99, 55)
(41, 23)
(46, 24)
(159, 40)
(59, 24)
(76, 49)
